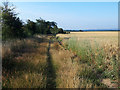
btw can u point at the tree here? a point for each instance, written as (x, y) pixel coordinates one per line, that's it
(30, 28)
(60, 30)
(41, 26)
(44, 27)
(54, 30)
(11, 24)
(81, 30)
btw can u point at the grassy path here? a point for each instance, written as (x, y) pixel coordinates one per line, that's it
(38, 62)
(51, 74)
(66, 70)
(42, 62)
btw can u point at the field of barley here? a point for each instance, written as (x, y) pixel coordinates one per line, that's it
(75, 60)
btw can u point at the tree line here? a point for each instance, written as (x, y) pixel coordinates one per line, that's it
(13, 27)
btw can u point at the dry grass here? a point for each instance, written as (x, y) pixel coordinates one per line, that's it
(41, 62)
(98, 56)
(67, 69)
(24, 63)
(38, 63)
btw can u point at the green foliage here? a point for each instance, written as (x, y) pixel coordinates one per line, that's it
(30, 28)
(41, 26)
(12, 26)
(44, 27)
(54, 30)
(60, 30)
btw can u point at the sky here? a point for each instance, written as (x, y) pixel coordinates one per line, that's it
(72, 15)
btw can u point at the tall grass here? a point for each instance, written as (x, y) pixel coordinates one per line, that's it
(43, 62)
(24, 63)
(101, 61)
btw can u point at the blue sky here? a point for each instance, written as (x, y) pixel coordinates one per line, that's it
(72, 15)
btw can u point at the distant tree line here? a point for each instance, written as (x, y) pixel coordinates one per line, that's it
(74, 30)
(13, 27)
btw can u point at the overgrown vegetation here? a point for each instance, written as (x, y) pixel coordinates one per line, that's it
(98, 58)
(38, 62)
(24, 63)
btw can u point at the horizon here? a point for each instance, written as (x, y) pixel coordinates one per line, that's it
(72, 15)
(92, 29)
